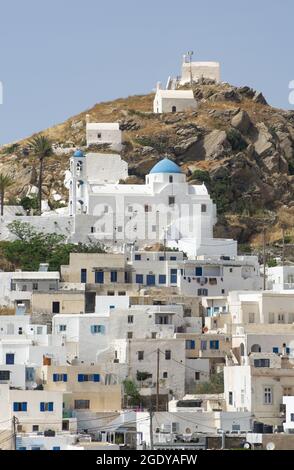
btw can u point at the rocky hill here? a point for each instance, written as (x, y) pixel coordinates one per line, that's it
(242, 148)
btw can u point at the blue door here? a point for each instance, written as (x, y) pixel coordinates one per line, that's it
(150, 279)
(9, 358)
(99, 277)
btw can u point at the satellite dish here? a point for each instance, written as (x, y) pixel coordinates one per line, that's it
(247, 445)
(270, 446)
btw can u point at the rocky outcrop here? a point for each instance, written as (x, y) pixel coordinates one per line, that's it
(238, 145)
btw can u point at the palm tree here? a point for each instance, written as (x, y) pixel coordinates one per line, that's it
(41, 147)
(5, 182)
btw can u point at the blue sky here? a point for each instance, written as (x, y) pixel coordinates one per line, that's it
(59, 58)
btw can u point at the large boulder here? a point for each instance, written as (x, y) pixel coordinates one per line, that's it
(263, 144)
(241, 121)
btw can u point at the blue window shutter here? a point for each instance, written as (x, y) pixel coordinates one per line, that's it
(276, 350)
(64, 377)
(92, 329)
(192, 344)
(42, 406)
(102, 329)
(54, 377)
(50, 406)
(96, 377)
(24, 406)
(15, 406)
(287, 350)
(56, 448)
(80, 377)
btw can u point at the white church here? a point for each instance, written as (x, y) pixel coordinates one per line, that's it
(165, 209)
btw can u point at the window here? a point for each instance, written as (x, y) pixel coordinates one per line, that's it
(235, 427)
(150, 279)
(113, 276)
(231, 270)
(197, 375)
(130, 318)
(173, 258)
(268, 396)
(173, 276)
(99, 135)
(230, 398)
(82, 404)
(203, 207)
(203, 345)
(9, 358)
(99, 277)
(88, 377)
(170, 178)
(168, 355)
(4, 374)
(83, 276)
(62, 327)
(93, 230)
(139, 278)
(171, 200)
(214, 344)
(140, 355)
(271, 317)
(130, 335)
(162, 279)
(55, 448)
(251, 317)
(165, 375)
(97, 329)
(35, 428)
(292, 417)
(46, 406)
(137, 257)
(20, 406)
(153, 335)
(190, 344)
(59, 377)
(35, 286)
(202, 292)
(198, 271)
(147, 208)
(161, 258)
(276, 350)
(174, 110)
(261, 362)
(55, 307)
(175, 427)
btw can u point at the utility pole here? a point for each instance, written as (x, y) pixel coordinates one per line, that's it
(157, 380)
(151, 423)
(14, 420)
(264, 257)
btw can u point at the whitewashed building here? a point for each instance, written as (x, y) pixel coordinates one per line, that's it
(173, 101)
(99, 133)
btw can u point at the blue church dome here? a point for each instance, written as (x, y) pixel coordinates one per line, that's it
(166, 166)
(78, 154)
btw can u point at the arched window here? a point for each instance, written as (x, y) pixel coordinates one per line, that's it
(242, 349)
(174, 109)
(255, 348)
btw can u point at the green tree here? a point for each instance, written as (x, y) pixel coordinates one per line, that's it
(41, 147)
(5, 182)
(131, 392)
(29, 203)
(215, 384)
